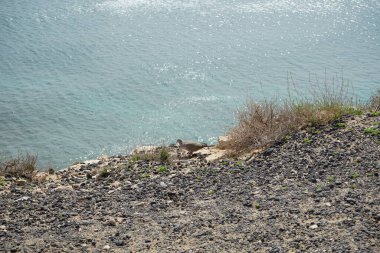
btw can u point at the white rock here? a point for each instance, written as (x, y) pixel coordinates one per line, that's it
(116, 184)
(23, 198)
(162, 184)
(90, 162)
(314, 226)
(106, 247)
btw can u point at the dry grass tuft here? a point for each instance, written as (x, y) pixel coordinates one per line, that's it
(161, 154)
(375, 101)
(262, 124)
(259, 124)
(23, 166)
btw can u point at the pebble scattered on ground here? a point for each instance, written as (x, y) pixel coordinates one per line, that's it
(316, 191)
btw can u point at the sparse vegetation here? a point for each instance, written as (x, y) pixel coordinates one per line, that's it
(372, 131)
(105, 172)
(2, 181)
(340, 125)
(355, 175)
(374, 114)
(135, 158)
(307, 140)
(162, 155)
(162, 169)
(23, 166)
(331, 179)
(261, 124)
(375, 101)
(354, 111)
(145, 175)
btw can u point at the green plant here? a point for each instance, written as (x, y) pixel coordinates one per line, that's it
(3, 182)
(307, 140)
(355, 175)
(317, 131)
(162, 169)
(210, 192)
(330, 179)
(374, 114)
(239, 163)
(372, 131)
(340, 125)
(145, 175)
(135, 158)
(284, 188)
(225, 163)
(164, 155)
(105, 172)
(375, 101)
(353, 186)
(256, 205)
(354, 111)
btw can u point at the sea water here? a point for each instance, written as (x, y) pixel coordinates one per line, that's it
(84, 78)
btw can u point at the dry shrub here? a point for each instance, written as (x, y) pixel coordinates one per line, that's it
(262, 124)
(258, 125)
(375, 101)
(23, 166)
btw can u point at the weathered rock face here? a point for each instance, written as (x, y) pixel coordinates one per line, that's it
(317, 191)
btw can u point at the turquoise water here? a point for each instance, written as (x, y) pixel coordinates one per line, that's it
(83, 78)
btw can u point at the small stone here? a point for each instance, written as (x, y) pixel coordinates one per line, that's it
(314, 226)
(111, 222)
(351, 201)
(20, 182)
(162, 184)
(106, 247)
(119, 243)
(116, 184)
(268, 151)
(23, 198)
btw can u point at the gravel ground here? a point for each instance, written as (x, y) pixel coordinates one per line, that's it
(317, 191)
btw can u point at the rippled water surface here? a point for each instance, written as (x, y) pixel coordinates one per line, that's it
(82, 78)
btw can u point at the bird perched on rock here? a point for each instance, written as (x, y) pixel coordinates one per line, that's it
(190, 146)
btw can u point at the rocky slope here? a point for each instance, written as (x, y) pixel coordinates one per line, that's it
(317, 191)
